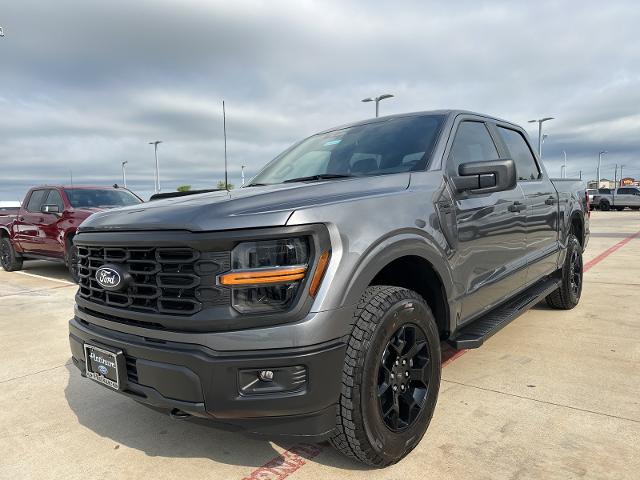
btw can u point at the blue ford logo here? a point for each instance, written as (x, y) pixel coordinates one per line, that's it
(109, 278)
(103, 370)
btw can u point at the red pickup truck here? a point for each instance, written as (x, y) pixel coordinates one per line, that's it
(43, 228)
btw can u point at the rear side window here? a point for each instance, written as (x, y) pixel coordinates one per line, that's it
(472, 144)
(36, 200)
(54, 198)
(526, 167)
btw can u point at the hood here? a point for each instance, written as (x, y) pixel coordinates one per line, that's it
(249, 207)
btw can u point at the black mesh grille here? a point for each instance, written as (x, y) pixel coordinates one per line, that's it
(172, 280)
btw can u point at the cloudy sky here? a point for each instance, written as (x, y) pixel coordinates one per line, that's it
(86, 84)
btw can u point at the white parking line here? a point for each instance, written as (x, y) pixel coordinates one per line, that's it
(46, 278)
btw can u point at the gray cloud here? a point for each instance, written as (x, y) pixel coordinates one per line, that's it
(85, 85)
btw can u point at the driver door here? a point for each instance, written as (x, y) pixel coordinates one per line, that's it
(489, 261)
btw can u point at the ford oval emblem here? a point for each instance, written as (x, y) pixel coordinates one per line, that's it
(109, 278)
(103, 370)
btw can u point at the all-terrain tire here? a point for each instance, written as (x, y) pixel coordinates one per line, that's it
(568, 294)
(379, 343)
(9, 259)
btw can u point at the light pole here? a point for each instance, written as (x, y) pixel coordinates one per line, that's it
(156, 187)
(599, 162)
(242, 173)
(564, 152)
(540, 121)
(621, 177)
(377, 100)
(124, 174)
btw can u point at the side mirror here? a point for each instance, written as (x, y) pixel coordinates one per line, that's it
(486, 177)
(50, 209)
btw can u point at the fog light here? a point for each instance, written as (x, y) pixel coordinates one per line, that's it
(273, 380)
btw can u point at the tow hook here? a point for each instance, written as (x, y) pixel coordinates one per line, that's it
(178, 414)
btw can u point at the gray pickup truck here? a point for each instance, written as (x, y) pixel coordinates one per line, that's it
(618, 199)
(313, 302)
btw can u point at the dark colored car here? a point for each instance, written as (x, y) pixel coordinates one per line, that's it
(44, 227)
(313, 302)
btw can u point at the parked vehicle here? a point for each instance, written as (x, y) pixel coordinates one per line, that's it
(45, 224)
(312, 302)
(619, 199)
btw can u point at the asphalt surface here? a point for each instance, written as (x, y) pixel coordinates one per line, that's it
(554, 395)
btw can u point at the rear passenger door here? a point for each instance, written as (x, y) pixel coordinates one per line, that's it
(28, 235)
(489, 263)
(541, 198)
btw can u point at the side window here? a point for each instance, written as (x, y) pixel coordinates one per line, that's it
(54, 198)
(36, 200)
(526, 167)
(472, 144)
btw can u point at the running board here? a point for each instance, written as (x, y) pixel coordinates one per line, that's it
(474, 334)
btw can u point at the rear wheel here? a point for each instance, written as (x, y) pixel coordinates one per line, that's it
(8, 257)
(568, 294)
(391, 377)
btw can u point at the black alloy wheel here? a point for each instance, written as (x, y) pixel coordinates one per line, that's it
(575, 273)
(403, 377)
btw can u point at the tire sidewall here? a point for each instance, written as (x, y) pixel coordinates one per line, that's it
(6, 243)
(573, 245)
(394, 445)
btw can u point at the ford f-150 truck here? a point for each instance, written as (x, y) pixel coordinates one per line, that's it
(313, 302)
(618, 198)
(44, 226)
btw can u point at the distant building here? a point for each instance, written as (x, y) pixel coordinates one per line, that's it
(628, 181)
(604, 183)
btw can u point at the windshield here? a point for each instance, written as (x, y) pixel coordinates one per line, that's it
(90, 198)
(401, 144)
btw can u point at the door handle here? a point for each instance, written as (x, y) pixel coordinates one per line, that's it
(517, 207)
(21, 219)
(550, 201)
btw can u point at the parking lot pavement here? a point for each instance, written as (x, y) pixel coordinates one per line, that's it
(554, 395)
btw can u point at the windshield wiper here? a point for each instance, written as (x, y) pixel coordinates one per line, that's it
(321, 176)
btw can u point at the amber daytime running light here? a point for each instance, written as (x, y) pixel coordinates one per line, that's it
(266, 275)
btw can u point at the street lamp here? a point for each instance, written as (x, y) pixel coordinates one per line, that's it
(599, 162)
(377, 100)
(540, 121)
(124, 174)
(157, 179)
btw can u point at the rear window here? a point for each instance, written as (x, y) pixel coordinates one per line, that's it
(36, 200)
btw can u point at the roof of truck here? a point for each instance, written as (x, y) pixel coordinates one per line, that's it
(447, 113)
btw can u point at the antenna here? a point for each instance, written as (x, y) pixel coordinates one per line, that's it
(224, 130)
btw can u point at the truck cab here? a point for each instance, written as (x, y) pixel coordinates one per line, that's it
(46, 222)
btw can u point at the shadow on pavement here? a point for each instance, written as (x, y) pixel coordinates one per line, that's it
(128, 423)
(45, 269)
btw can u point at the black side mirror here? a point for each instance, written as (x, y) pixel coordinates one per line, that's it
(50, 209)
(486, 177)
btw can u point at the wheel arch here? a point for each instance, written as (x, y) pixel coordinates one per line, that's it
(411, 263)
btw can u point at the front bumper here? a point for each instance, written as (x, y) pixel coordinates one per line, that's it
(210, 384)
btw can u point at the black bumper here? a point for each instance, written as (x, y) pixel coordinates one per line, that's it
(221, 386)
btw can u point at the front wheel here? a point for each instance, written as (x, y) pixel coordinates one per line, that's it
(72, 262)
(390, 378)
(568, 294)
(605, 206)
(8, 258)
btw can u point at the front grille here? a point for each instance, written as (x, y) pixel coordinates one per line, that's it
(171, 280)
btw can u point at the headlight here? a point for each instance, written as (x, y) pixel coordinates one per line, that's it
(266, 275)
